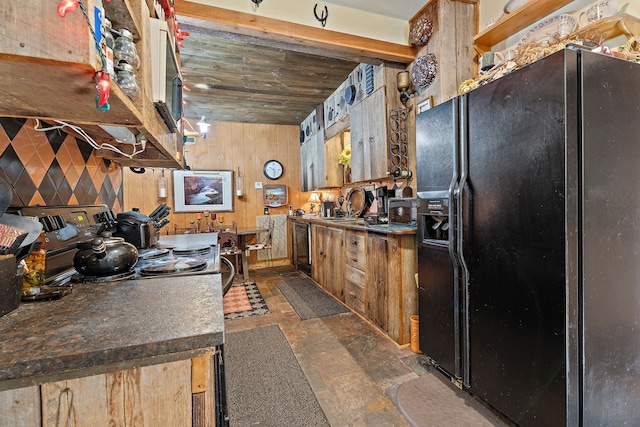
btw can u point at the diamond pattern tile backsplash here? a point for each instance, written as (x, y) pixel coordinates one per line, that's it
(55, 168)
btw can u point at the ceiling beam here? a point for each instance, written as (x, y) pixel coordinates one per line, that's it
(343, 46)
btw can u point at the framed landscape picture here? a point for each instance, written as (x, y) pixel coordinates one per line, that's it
(196, 191)
(274, 195)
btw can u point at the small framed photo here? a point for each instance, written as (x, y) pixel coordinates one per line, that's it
(274, 195)
(196, 191)
(425, 105)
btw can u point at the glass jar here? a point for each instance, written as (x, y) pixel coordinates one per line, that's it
(127, 80)
(124, 49)
(34, 270)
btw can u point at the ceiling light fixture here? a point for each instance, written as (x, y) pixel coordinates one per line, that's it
(203, 126)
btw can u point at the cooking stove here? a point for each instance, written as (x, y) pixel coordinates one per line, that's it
(177, 255)
(164, 262)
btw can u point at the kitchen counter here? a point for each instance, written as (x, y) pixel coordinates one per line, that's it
(355, 224)
(109, 327)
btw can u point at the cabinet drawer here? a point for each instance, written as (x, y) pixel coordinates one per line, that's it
(354, 289)
(355, 250)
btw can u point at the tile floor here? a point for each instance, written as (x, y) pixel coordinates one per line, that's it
(353, 368)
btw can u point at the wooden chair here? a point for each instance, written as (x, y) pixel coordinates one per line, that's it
(228, 244)
(264, 242)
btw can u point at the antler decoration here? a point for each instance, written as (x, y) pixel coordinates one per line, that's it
(322, 18)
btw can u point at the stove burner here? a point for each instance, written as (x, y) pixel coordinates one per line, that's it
(173, 266)
(152, 254)
(191, 251)
(97, 279)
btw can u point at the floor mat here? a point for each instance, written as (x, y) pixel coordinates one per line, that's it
(308, 299)
(244, 300)
(430, 401)
(265, 384)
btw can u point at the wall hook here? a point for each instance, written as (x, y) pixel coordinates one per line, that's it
(322, 18)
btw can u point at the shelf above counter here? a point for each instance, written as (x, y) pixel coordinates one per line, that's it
(50, 75)
(518, 20)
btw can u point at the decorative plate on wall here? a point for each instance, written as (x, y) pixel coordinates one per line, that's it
(424, 71)
(421, 30)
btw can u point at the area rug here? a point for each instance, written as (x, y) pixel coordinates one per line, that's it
(308, 299)
(244, 300)
(265, 384)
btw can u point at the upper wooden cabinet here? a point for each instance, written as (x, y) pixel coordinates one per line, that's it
(369, 151)
(312, 165)
(50, 74)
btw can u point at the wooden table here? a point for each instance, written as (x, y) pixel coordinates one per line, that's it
(243, 236)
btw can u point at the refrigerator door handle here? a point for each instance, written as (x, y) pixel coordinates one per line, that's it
(464, 208)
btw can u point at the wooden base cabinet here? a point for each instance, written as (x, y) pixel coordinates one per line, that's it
(179, 393)
(354, 282)
(372, 273)
(327, 266)
(376, 288)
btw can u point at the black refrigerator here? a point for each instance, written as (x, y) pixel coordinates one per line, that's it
(529, 241)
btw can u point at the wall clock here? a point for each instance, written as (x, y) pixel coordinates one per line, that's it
(273, 169)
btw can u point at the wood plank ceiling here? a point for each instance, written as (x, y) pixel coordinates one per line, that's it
(239, 79)
(250, 69)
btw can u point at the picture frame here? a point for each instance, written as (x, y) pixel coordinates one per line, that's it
(425, 105)
(275, 195)
(196, 191)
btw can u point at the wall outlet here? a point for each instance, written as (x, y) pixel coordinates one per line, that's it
(258, 185)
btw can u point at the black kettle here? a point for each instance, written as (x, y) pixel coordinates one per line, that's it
(104, 256)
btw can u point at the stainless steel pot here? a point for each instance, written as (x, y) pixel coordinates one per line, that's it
(105, 256)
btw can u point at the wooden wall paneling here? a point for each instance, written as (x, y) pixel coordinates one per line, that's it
(20, 407)
(394, 287)
(452, 44)
(227, 147)
(115, 399)
(85, 399)
(165, 393)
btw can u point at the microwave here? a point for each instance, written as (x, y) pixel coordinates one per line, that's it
(165, 73)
